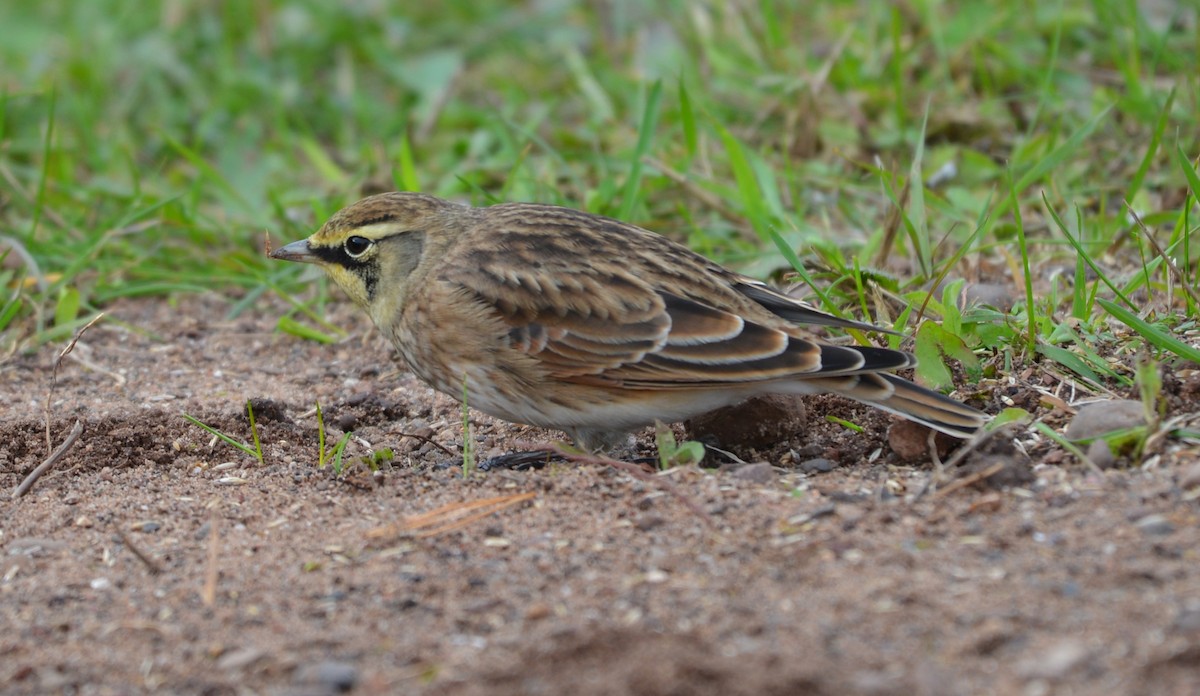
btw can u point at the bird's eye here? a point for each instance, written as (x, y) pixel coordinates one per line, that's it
(357, 246)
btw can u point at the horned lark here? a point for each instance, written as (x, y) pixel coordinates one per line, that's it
(562, 319)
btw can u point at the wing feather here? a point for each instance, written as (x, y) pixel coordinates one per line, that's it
(794, 310)
(691, 329)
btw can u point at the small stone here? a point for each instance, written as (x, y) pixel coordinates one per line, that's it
(1102, 417)
(83, 521)
(538, 611)
(337, 676)
(1101, 454)
(268, 410)
(820, 465)
(759, 472)
(910, 441)
(239, 658)
(1190, 478)
(358, 398)
(655, 576)
(645, 523)
(1054, 663)
(1187, 620)
(346, 422)
(1015, 468)
(1155, 525)
(998, 295)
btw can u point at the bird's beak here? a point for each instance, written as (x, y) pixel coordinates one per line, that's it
(296, 251)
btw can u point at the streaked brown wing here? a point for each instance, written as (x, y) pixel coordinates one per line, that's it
(794, 310)
(660, 318)
(640, 338)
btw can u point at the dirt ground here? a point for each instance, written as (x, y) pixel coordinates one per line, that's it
(153, 559)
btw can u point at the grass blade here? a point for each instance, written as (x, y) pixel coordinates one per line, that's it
(258, 453)
(289, 325)
(228, 440)
(1056, 157)
(687, 119)
(1154, 335)
(629, 197)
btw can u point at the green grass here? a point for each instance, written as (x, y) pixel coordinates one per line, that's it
(254, 451)
(146, 147)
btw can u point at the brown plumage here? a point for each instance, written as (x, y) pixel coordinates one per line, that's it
(563, 319)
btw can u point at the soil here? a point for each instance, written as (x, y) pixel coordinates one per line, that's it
(156, 558)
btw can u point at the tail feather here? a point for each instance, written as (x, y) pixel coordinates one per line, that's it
(897, 395)
(930, 408)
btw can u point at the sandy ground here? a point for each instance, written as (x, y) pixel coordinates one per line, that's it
(155, 559)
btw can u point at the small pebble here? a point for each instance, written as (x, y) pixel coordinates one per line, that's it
(239, 658)
(819, 465)
(358, 398)
(759, 472)
(998, 295)
(1190, 478)
(910, 441)
(1101, 454)
(1055, 663)
(656, 576)
(645, 523)
(1103, 417)
(266, 410)
(1155, 525)
(338, 676)
(1187, 620)
(538, 611)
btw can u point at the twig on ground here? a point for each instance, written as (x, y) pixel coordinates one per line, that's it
(98, 368)
(50, 461)
(969, 480)
(430, 441)
(450, 517)
(208, 594)
(142, 556)
(962, 453)
(54, 373)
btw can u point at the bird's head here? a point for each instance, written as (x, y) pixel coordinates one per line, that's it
(370, 248)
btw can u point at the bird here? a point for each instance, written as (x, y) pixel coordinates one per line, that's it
(567, 320)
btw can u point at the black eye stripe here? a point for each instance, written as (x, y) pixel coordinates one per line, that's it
(336, 255)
